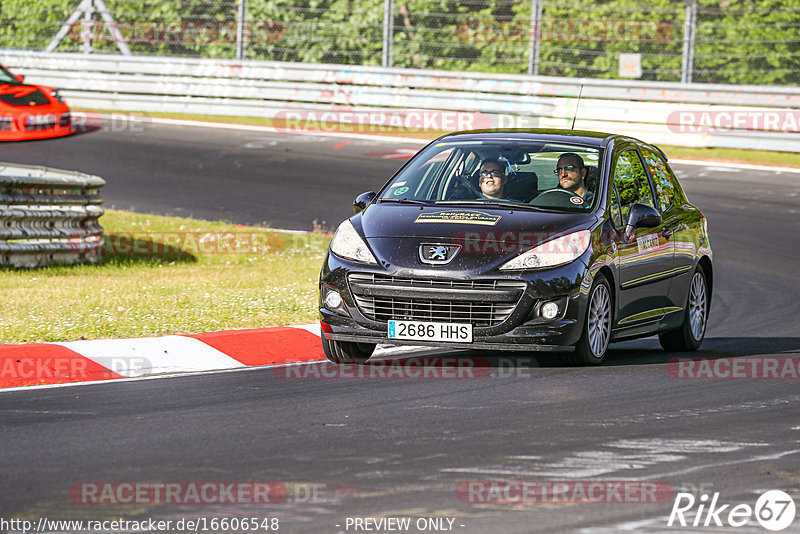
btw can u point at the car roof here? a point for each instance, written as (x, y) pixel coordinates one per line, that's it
(540, 134)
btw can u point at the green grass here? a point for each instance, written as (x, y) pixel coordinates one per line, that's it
(204, 276)
(756, 157)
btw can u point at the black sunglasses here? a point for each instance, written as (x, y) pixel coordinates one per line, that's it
(567, 168)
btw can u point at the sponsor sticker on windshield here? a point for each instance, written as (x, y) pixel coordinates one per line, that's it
(459, 216)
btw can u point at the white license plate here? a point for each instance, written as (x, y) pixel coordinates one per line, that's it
(430, 331)
(39, 120)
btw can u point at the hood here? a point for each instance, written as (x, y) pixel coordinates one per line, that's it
(485, 237)
(23, 95)
(461, 222)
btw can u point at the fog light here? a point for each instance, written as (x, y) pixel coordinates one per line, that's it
(549, 310)
(333, 299)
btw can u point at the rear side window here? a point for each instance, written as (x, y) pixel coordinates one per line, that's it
(632, 183)
(662, 179)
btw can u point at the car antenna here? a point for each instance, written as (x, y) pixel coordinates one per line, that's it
(576, 108)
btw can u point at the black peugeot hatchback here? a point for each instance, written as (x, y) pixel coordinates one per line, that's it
(526, 240)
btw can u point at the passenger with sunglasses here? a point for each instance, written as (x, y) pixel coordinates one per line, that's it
(572, 174)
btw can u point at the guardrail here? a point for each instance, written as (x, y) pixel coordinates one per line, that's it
(660, 112)
(48, 216)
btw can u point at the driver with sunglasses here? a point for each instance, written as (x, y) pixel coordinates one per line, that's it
(572, 173)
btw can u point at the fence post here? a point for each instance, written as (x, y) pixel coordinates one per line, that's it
(241, 34)
(689, 27)
(86, 30)
(536, 37)
(388, 32)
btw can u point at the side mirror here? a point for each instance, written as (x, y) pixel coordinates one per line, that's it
(362, 200)
(641, 216)
(19, 77)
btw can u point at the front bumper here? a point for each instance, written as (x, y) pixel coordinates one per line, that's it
(18, 128)
(524, 329)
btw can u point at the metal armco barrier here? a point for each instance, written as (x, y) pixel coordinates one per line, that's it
(48, 216)
(651, 110)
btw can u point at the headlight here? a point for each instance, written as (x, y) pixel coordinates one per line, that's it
(346, 243)
(559, 251)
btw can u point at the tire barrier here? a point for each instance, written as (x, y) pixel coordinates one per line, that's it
(49, 216)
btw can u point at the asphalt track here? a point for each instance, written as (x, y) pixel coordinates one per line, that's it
(249, 177)
(380, 448)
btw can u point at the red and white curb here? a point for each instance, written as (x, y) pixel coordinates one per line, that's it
(109, 359)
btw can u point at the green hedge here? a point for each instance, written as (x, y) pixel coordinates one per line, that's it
(737, 41)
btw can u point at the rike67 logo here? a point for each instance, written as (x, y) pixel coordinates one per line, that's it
(774, 510)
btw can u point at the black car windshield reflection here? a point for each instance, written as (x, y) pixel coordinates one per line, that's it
(501, 172)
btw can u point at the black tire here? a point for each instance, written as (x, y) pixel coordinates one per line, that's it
(347, 351)
(690, 335)
(592, 346)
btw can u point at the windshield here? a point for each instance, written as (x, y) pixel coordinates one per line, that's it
(519, 172)
(7, 77)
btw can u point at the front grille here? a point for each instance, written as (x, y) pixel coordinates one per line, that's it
(479, 302)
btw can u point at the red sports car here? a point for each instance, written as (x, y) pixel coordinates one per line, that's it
(30, 111)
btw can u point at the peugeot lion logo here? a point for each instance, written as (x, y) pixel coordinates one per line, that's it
(436, 254)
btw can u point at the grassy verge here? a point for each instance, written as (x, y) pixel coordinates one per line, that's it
(755, 157)
(732, 155)
(166, 275)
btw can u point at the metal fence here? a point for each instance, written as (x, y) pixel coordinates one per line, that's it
(301, 97)
(731, 42)
(48, 216)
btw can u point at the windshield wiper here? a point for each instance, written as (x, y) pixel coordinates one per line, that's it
(405, 201)
(504, 205)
